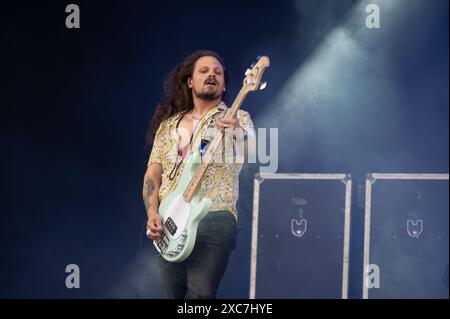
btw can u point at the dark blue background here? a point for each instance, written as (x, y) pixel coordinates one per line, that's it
(76, 104)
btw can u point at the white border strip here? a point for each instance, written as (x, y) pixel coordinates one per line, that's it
(368, 212)
(301, 176)
(345, 261)
(254, 251)
(367, 236)
(409, 176)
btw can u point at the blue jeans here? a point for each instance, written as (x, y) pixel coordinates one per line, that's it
(200, 274)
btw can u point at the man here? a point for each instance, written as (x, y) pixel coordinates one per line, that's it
(190, 111)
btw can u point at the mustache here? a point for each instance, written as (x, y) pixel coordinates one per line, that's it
(211, 81)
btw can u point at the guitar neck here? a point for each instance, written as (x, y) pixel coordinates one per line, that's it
(207, 158)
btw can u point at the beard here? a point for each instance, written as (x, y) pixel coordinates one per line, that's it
(208, 95)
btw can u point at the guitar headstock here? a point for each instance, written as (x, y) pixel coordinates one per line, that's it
(252, 81)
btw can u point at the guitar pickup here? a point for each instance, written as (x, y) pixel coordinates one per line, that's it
(162, 243)
(170, 226)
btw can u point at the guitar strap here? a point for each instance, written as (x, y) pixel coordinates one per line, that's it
(206, 138)
(203, 143)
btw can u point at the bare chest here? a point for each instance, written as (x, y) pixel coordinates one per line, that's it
(185, 129)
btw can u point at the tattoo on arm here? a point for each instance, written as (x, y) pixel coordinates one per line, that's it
(149, 187)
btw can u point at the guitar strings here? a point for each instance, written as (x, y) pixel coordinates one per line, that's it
(178, 209)
(180, 202)
(176, 213)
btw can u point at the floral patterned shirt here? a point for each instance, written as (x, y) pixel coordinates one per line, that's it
(221, 179)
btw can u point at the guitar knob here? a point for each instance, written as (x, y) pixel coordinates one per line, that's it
(263, 85)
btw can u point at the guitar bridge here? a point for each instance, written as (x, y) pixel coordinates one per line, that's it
(170, 226)
(162, 244)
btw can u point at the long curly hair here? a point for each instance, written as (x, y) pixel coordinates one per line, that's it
(177, 96)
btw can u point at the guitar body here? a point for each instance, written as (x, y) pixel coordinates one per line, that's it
(180, 219)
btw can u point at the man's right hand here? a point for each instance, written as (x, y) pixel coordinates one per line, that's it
(154, 227)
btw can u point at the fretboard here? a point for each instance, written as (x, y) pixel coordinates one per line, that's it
(207, 158)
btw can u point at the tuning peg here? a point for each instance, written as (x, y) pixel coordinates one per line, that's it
(253, 65)
(258, 57)
(248, 71)
(263, 85)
